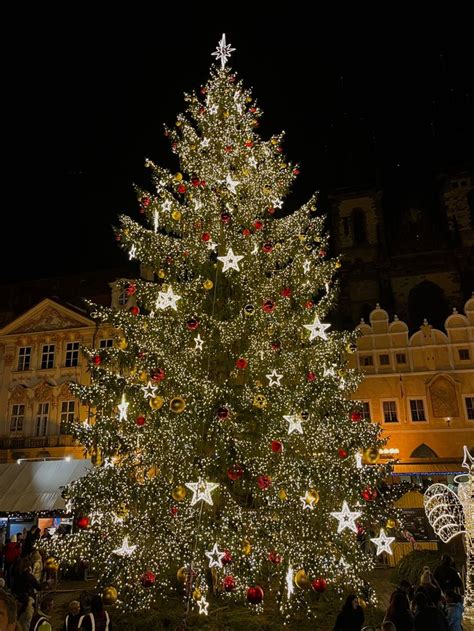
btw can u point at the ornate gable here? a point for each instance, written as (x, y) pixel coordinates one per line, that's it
(46, 316)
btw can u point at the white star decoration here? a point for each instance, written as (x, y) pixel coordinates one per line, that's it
(294, 423)
(383, 542)
(358, 459)
(211, 245)
(317, 329)
(289, 582)
(253, 161)
(468, 461)
(133, 252)
(203, 605)
(167, 299)
(215, 556)
(125, 550)
(155, 220)
(309, 501)
(149, 390)
(230, 260)
(223, 51)
(201, 491)
(231, 184)
(199, 342)
(306, 266)
(274, 378)
(346, 518)
(213, 109)
(277, 203)
(205, 143)
(166, 205)
(123, 409)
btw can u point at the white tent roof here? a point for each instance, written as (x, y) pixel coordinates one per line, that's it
(37, 486)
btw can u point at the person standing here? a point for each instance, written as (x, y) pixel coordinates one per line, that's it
(98, 619)
(71, 622)
(7, 612)
(41, 620)
(351, 617)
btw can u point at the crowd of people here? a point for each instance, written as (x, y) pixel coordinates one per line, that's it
(435, 604)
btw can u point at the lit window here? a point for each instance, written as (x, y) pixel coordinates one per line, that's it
(470, 407)
(24, 358)
(106, 343)
(463, 353)
(367, 360)
(16, 419)
(390, 411)
(384, 360)
(72, 354)
(365, 410)
(47, 356)
(67, 414)
(417, 410)
(42, 419)
(401, 358)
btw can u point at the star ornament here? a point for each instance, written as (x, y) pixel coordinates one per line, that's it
(317, 329)
(274, 378)
(346, 518)
(309, 501)
(123, 409)
(383, 542)
(167, 299)
(198, 341)
(230, 260)
(201, 491)
(149, 390)
(203, 605)
(223, 51)
(215, 556)
(232, 184)
(294, 422)
(125, 550)
(289, 582)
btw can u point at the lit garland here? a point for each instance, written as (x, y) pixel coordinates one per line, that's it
(216, 414)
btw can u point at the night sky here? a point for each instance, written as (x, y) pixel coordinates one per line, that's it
(365, 102)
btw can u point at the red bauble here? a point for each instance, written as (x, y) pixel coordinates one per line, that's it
(229, 583)
(146, 201)
(158, 375)
(195, 182)
(131, 289)
(147, 579)
(249, 144)
(97, 359)
(174, 511)
(182, 188)
(276, 446)
(140, 421)
(356, 417)
(223, 413)
(258, 224)
(228, 149)
(322, 253)
(285, 292)
(271, 210)
(276, 346)
(246, 232)
(203, 90)
(296, 171)
(227, 558)
(267, 248)
(309, 304)
(279, 149)
(342, 453)
(264, 481)
(268, 306)
(83, 522)
(319, 584)
(234, 473)
(274, 557)
(225, 217)
(252, 109)
(360, 529)
(310, 376)
(255, 595)
(118, 237)
(241, 363)
(192, 324)
(369, 494)
(134, 310)
(205, 236)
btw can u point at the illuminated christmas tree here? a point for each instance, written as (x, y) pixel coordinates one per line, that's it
(229, 460)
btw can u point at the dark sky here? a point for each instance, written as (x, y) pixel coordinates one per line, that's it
(386, 100)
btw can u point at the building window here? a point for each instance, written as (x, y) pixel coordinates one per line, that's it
(469, 407)
(47, 356)
(123, 297)
(384, 360)
(463, 353)
(367, 360)
(417, 410)
(16, 419)
(72, 354)
(67, 414)
(359, 226)
(42, 419)
(390, 411)
(24, 358)
(106, 343)
(365, 410)
(401, 358)
(346, 225)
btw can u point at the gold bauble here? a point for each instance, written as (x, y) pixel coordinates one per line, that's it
(177, 404)
(161, 273)
(282, 495)
(249, 310)
(126, 232)
(208, 284)
(178, 493)
(143, 376)
(391, 523)
(182, 575)
(176, 215)
(51, 564)
(109, 595)
(304, 415)
(267, 190)
(122, 343)
(313, 495)
(178, 123)
(178, 176)
(226, 114)
(121, 512)
(301, 579)
(337, 264)
(246, 547)
(351, 347)
(370, 455)
(258, 383)
(248, 99)
(197, 593)
(245, 172)
(156, 402)
(260, 401)
(274, 141)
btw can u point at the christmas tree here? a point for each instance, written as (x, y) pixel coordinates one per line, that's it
(229, 458)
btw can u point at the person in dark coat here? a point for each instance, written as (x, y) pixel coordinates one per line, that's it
(71, 622)
(399, 612)
(351, 617)
(98, 619)
(427, 617)
(447, 575)
(454, 610)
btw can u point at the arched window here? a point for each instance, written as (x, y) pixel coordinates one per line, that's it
(427, 300)
(423, 451)
(359, 226)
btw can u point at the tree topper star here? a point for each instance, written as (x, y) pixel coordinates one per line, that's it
(201, 491)
(215, 556)
(383, 542)
(274, 378)
(223, 51)
(167, 299)
(346, 518)
(294, 423)
(317, 329)
(230, 260)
